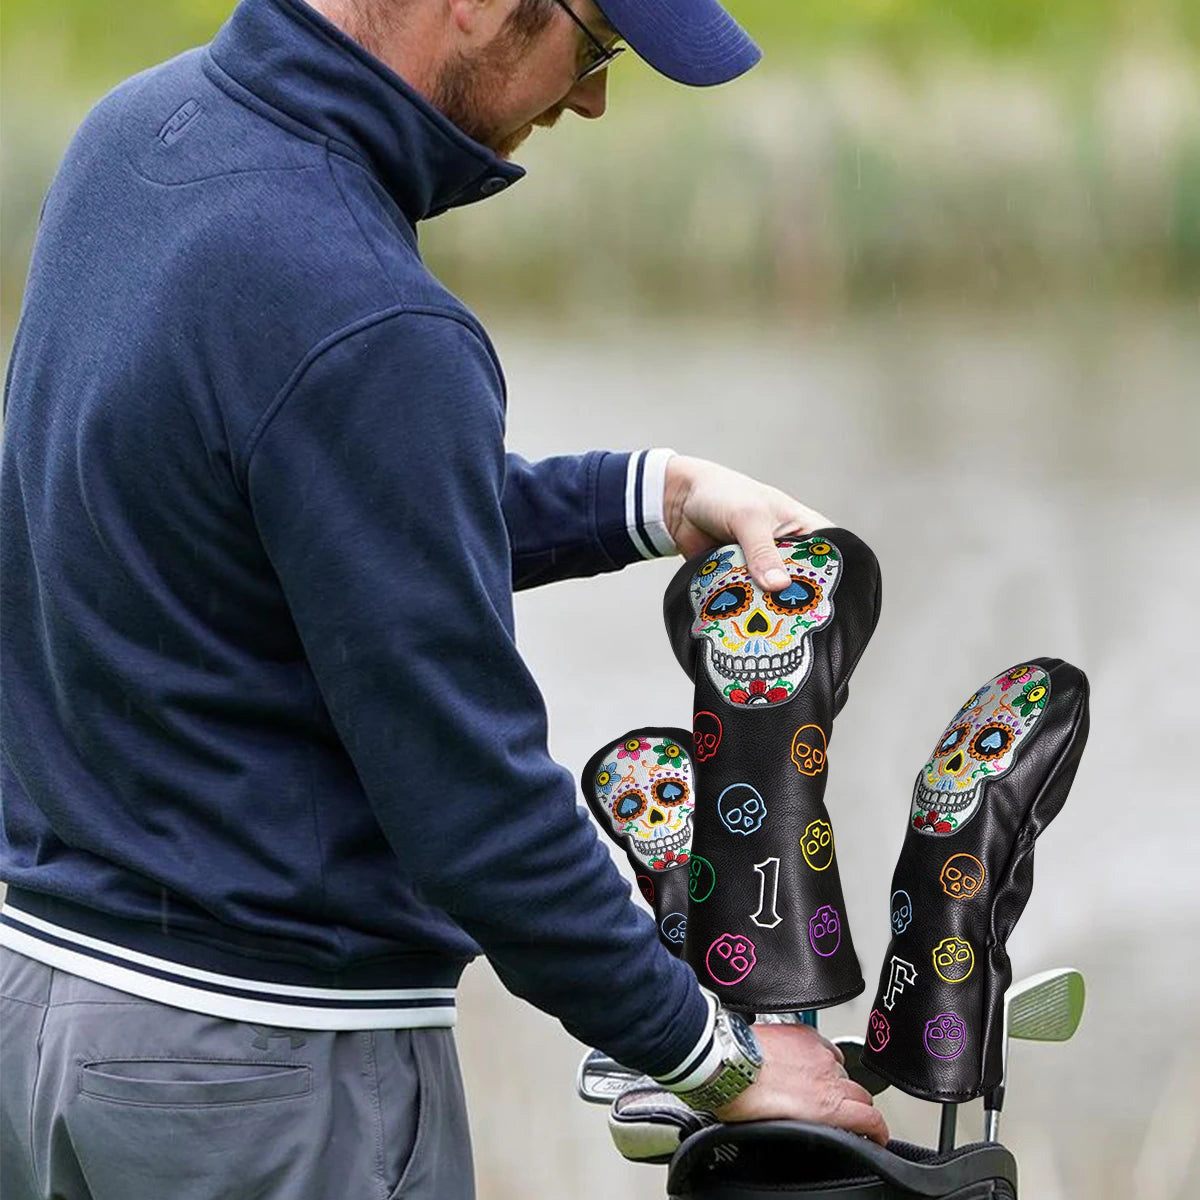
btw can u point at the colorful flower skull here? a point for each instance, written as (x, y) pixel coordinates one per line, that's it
(730, 959)
(962, 876)
(741, 809)
(758, 644)
(945, 1036)
(825, 931)
(979, 744)
(647, 800)
(901, 911)
(879, 1030)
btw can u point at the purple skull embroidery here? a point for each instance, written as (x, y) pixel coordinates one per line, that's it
(825, 931)
(945, 1036)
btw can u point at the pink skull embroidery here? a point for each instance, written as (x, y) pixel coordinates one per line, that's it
(730, 959)
(878, 1030)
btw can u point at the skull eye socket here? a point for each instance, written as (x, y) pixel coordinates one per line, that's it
(669, 792)
(629, 806)
(953, 739)
(730, 601)
(992, 741)
(800, 596)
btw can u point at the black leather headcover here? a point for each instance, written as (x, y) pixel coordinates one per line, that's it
(998, 775)
(640, 788)
(767, 922)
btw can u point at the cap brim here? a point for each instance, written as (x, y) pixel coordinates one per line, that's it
(691, 41)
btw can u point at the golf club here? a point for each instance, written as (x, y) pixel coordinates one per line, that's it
(1046, 1007)
(601, 1079)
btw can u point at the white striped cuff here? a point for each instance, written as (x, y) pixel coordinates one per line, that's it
(645, 484)
(701, 1061)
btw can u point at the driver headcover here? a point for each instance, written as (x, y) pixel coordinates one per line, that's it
(767, 921)
(640, 790)
(998, 775)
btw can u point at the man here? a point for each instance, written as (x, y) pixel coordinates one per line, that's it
(273, 768)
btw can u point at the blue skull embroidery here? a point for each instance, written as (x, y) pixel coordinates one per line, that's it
(674, 926)
(901, 911)
(741, 808)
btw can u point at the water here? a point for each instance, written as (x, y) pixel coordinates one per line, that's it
(1029, 483)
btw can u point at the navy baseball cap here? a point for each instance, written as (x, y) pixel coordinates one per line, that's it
(691, 41)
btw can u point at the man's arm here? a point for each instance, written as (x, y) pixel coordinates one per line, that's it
(576, 515)
(377, 488)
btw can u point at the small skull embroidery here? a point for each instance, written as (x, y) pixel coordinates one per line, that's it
(706, 734)
(817, 844)
(757, 645)
(741, 809)
(702, 878)
(674, 927)
(879, 1030)
(979, 744)
(945, 1036)
(901, 911)
(953, 959)
(825, 931)
(730, 959)
(809, 750)
(962, 876)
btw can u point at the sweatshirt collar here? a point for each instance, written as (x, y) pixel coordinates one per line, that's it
(294, 60)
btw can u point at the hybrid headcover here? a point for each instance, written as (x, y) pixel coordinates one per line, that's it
(767, 921)
(640, 789)
(998, 775)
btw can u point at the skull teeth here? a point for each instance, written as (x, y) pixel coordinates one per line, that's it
(767, 666)
(659, 845)
(946, 802)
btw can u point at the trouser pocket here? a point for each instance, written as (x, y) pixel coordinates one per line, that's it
(192, 1083)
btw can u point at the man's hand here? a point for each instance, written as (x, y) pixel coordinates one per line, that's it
(707, 505)
(802, 1079)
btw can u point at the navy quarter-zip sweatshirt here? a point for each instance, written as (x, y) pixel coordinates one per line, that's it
(269, 749)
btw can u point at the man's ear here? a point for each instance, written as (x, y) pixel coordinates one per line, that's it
(479, 20)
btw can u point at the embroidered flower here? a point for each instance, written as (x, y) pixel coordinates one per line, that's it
(604, 778)
(669, 754)
(1016, 675)
(670, 859)
(758, 688)
(933, 820)
(1032, 698)
(815, 551)
(633, 748)
(714, 564)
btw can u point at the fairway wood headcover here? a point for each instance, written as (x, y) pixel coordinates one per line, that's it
(998, 775)
(766, 920)
(640, 790)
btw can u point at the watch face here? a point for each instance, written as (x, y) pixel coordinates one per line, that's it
(745, 1038)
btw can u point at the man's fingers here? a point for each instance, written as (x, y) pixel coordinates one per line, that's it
(764, 560)
(862, 1118)
(802, 519)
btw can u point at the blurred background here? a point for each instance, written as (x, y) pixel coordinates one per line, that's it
(934, 268)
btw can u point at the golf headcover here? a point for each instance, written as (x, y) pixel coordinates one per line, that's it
(640, 790)
(998, 775)
(767, 921)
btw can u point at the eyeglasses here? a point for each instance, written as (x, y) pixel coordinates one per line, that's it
(599, 55)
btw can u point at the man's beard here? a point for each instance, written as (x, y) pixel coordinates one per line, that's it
(466, 85)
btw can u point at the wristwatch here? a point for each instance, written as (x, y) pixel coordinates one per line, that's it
(741, 1059)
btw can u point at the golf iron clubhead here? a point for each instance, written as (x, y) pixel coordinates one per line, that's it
(1046, 1007)
(600, 1079)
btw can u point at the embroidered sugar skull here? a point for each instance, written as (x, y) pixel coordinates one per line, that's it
(901, 911)
(730, 959)
(646, 887)
(980, 743)
(674, 927)
(879, 1030)
(817, 844)
(825, 931)
(962, 876)
(758, 645)
(645, 789)
(741, 809)
(953, 959)
(809, 750)
(945, 1036)
(706, 734)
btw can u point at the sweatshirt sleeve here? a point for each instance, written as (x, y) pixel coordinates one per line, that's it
(376, 483)
(577, 515)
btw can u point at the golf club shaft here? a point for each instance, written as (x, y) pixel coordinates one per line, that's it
(993, 1102)
(947, 1130)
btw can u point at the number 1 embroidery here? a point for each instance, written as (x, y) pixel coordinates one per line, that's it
(767, 917)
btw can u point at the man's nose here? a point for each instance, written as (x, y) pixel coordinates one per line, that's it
(589, 97)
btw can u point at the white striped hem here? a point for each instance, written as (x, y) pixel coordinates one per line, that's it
(201, 991)
(645, 484)
(701, 1062)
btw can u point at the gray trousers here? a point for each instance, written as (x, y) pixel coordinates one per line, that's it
(105, 1096)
